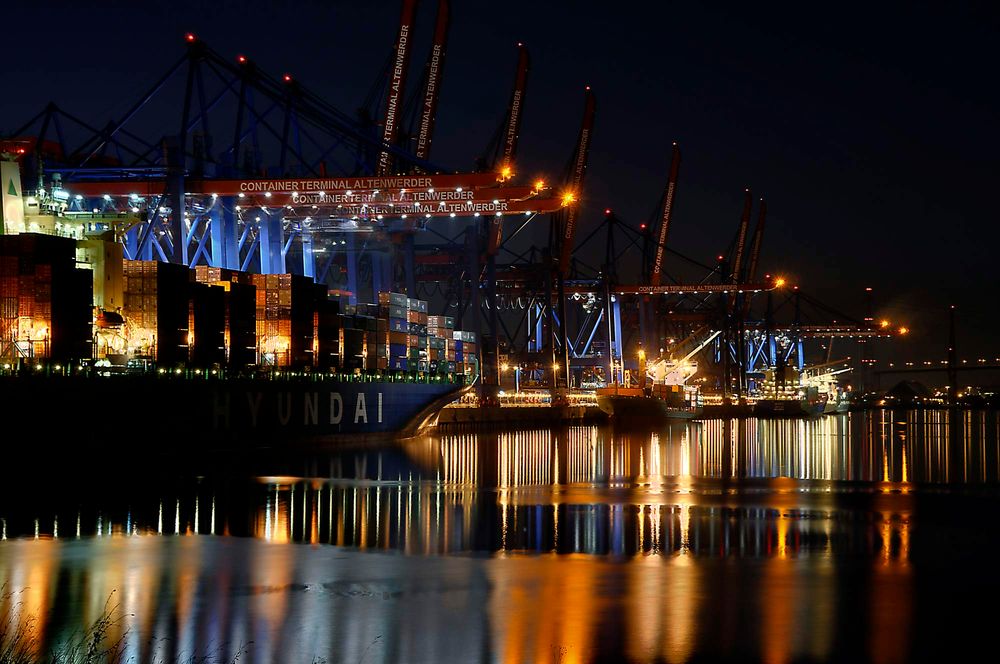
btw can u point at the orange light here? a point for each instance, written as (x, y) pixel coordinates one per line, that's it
(779, 282)
(883, 323)
(539, 185)
(506, 172)
(568, 197)
(904, 330)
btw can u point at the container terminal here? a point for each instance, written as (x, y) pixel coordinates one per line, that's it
(274, 239)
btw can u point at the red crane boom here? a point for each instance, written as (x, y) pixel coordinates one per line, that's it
(397, 84)
(580, 158)
(758, 237)
(515, 110)
(434, 69)
(668, 208)
(741, 237)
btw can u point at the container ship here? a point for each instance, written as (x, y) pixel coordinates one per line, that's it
(222, 354)
(784, 394)
(660, 393)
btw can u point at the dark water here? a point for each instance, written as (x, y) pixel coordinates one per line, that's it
(862, 537)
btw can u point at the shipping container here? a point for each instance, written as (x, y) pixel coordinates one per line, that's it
(328, 334)
(208, 333)
(241, 325)
(394, 299)
(392, 311)
(353, 349)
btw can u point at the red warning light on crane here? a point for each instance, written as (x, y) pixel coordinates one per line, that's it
(287, 78)
(189, 36)
(242, 59)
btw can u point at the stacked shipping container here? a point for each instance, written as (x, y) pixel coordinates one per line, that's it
(207, 325)
(158, 309)
(211, 316)
(45, 301)
(466, 351)
(239, 308)
(394, 308)
(441, 344)
(286, 318)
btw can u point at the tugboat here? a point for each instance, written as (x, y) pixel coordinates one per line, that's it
(660, 393)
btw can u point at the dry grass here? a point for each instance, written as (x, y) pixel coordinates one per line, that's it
(19, 642)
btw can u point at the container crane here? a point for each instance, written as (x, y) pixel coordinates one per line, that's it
(733, 325)
(425, 118)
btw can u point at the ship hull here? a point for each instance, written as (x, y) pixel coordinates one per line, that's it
(628, 408)
(788, 408)
(836, 407)
(726, 411)
(135, 410)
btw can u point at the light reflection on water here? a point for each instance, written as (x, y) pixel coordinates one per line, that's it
(777, 540)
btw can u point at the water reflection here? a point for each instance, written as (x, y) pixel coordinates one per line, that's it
(773, 540)
(583, 489)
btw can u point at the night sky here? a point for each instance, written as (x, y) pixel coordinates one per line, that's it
(872, 131)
